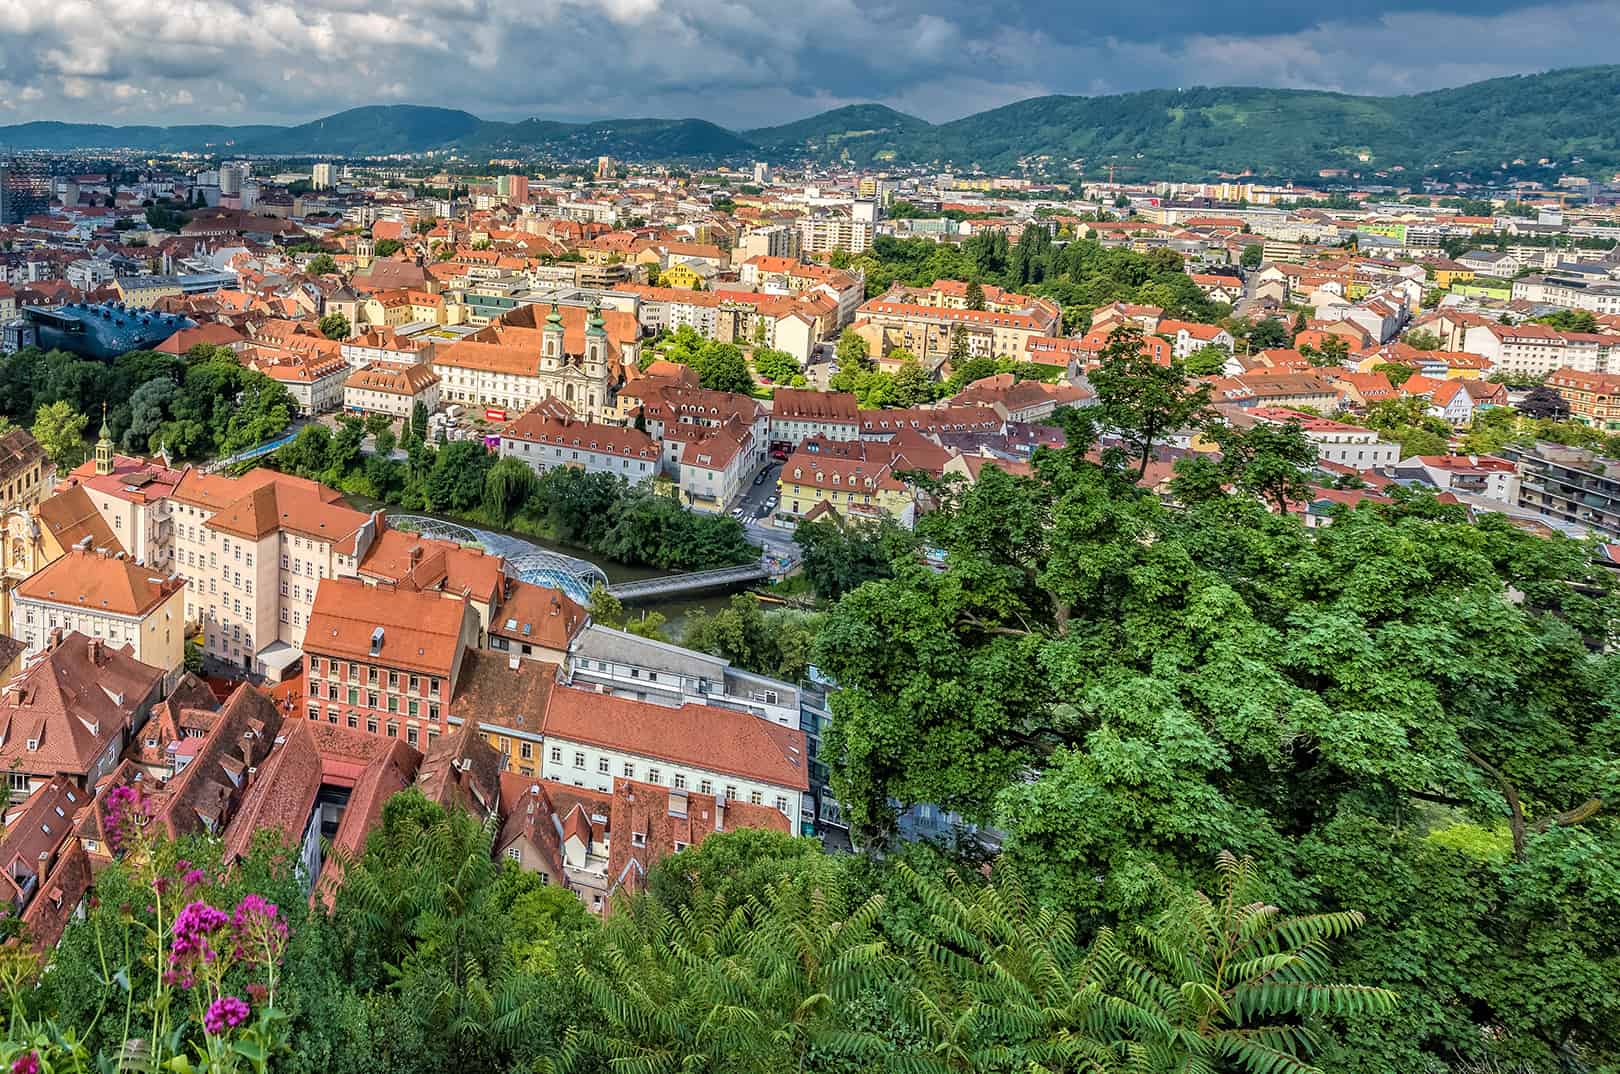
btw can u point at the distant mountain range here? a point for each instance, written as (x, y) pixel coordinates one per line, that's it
(1568, 117)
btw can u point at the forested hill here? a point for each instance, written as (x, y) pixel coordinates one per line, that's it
(1566, 117)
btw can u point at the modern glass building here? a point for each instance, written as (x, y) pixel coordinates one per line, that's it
(103, 330)
(25, 189)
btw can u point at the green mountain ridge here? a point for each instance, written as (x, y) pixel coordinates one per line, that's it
(1566, 116)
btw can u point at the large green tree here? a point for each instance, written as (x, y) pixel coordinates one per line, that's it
(1403, 707)
(1140, 400)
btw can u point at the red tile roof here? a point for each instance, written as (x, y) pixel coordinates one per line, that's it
(699, 735)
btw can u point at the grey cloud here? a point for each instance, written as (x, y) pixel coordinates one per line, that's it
(739, 62)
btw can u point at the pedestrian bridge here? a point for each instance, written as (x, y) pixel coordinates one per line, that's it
(696, 581)
(525, 560)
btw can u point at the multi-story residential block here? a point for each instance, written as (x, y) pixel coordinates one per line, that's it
(928, 332)
(797, 414)
(1534, 349)
(772, 240)
(545, 442)
(824, 234)
(132, 497)
(1186, 337)
(253, 550)
(789, 276)
(380, 346)
(26, 475)
(385, 660)
(109, 597)
(71, 712)
(1477, 475)
(592, 738)
(1593, 398)
(390, 389)
(1599, 295)
(1335, 441)
(645, 669)
(856, 480)
(1573, 486)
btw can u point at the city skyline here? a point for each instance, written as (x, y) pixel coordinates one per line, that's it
(741, 64)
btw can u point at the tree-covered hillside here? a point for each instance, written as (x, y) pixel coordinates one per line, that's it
(1561, 115)
(1566, 117)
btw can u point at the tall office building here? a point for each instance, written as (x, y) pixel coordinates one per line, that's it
(513, 189)
(25, 189)
(322, 176)
(230, 178)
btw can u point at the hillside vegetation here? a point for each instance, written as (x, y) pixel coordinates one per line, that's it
(1566, 117)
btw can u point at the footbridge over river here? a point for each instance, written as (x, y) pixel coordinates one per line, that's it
(693, 582)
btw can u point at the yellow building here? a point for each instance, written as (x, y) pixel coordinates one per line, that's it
(1447, 273)
(26, 474)
(855, 480)
(682, 276)
(146, 290)
(109, 596)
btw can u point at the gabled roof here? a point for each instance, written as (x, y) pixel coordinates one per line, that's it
(70, 703)
(702, 736)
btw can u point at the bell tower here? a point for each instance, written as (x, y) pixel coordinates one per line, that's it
(551, 341)
(595, 346)
(104, 446)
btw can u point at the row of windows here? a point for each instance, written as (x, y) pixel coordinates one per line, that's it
(678, 780)
(390, 728)
(354, 671)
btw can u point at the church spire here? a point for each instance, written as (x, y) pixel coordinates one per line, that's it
(104, 446)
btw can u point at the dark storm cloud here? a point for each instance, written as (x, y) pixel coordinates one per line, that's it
(739, 62)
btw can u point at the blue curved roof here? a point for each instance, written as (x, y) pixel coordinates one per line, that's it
(103, 330)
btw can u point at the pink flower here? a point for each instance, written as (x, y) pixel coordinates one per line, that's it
(27, 1063)
(260, 931)
(194, 878)
(226, 1012)
(125, 810)
(192, 928)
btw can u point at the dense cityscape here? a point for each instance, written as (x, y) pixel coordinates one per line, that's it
(829, 597)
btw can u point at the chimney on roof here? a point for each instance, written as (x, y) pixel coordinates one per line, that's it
(95, 651)
(376, 641)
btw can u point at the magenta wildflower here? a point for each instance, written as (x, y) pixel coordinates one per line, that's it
(26, 1063)
(226, 1012)
(260, 931)
(125, 810)
(192, 928)
(194, 878)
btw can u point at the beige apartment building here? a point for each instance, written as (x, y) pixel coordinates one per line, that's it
(107, 596)
(928, 331)
(253, 550)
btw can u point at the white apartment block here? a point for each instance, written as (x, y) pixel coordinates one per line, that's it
(545, 442)
(1336, 441)
(824, 234)
(1534, 349)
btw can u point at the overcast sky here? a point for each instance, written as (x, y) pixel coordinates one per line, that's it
(740, 62)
